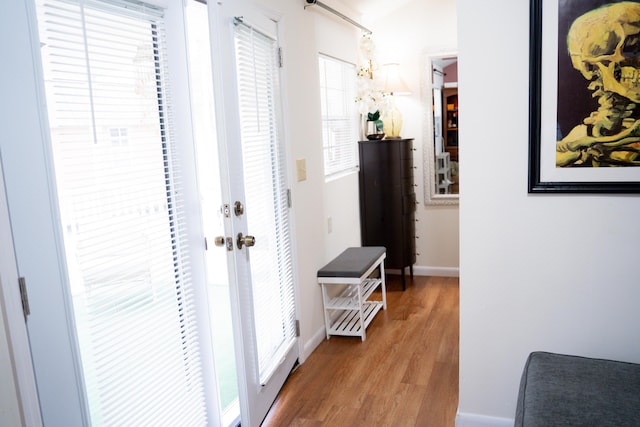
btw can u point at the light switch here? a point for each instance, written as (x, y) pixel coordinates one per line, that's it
(301, 168)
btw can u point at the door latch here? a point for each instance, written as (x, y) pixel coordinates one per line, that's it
(222, 241)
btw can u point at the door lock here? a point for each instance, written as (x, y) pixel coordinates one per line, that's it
(238, 208)
(222, 242)
(247, 241)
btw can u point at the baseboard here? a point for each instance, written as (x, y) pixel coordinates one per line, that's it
(312, 344)
(430, 271)
(475, 420)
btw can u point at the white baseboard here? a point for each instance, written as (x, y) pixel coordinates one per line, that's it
(312, 344)
(475, 420)
(419, 270)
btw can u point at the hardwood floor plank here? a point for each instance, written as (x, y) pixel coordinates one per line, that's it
(404, 374)
(431, 413)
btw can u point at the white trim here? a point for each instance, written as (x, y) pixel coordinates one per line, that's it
(423, 270)
(436, 271)
(313, 343)
(475, 420)
(16, 328)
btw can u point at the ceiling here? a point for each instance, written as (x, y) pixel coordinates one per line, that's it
(373, 10)
(369, 10)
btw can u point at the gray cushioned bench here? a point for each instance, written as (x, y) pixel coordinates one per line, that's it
(561, 390)
(347, 308)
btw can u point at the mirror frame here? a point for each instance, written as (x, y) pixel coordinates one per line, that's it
(431, 197)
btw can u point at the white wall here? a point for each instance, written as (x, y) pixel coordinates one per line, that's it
(339, 39)
(306, 33)
(537, 272)
(406, 36)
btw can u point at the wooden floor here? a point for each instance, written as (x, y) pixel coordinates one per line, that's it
(404, 374)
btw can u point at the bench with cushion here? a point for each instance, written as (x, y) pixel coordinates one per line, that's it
(348, 310)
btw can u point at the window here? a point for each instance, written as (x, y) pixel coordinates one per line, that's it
(339, 116)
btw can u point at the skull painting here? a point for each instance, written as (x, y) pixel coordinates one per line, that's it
(604, 46)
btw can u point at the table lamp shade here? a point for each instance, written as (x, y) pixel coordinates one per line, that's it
(393, 82)
(393, 85)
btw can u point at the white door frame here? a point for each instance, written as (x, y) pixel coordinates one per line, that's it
(17, 339)
(27, 171)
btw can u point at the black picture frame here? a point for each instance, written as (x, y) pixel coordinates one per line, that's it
(535, 183)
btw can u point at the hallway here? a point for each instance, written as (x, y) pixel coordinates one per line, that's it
(404, 374)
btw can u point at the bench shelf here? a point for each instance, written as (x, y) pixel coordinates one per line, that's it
(348, 322)
(351, 279)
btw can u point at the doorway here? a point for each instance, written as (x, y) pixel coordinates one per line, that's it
(130, 319)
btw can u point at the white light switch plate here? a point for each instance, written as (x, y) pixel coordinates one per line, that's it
(301, 169)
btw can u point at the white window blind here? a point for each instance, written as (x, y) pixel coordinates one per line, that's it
(339, 116)
(121, 211)
(266, 196)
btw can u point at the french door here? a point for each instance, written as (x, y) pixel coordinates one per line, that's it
(126, 333)
(254, 228)
(125, 207)
(257, 180)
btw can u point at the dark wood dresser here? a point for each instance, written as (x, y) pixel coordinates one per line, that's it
(388, 200)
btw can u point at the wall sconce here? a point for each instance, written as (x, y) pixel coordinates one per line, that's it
(393, 85)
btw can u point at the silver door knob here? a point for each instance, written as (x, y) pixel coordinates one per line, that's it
(247, 241)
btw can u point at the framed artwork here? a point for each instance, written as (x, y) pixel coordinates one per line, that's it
(584, 128)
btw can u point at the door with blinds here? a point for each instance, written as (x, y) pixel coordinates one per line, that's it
(132, 245)
(258, 181)
(134, 310)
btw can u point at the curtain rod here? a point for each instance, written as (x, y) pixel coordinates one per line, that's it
(335, 12)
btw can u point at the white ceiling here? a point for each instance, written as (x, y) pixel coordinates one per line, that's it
(373, 10)
(369, 10)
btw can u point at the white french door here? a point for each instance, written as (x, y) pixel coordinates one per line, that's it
(254, 145)
(126, 211)
(121, 324)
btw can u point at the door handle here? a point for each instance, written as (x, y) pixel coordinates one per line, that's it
(247, 241)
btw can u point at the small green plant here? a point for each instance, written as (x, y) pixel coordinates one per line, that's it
(375, 118)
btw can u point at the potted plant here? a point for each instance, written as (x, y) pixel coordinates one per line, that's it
(372, 101)
(375, 127)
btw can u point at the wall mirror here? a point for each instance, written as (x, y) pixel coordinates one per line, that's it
(440, 99)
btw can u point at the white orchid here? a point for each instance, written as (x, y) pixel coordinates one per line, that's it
(370, 97)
